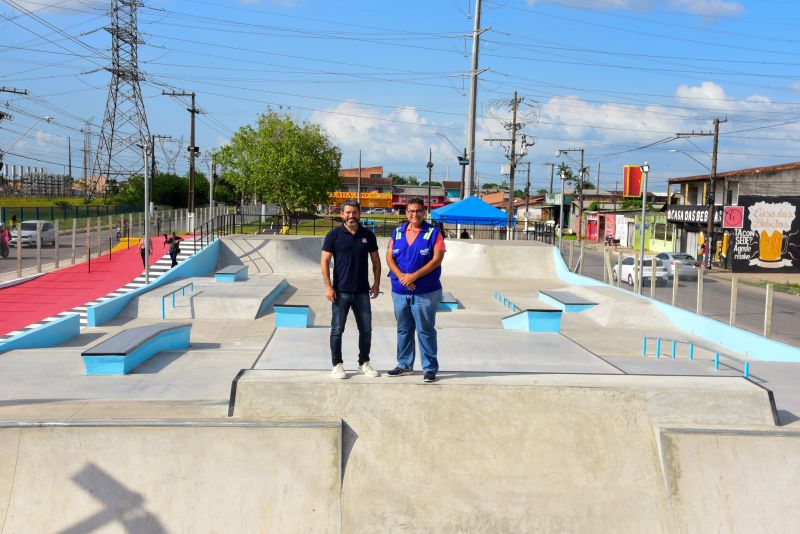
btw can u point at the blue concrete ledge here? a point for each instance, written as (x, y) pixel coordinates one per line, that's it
(231, 273)
(571, 304)
(448, 302)
(124, 361)
(47, 335)
(293, 316)
(534, 321)
(201, 263)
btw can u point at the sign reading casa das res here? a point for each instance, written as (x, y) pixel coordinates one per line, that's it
(769, 237)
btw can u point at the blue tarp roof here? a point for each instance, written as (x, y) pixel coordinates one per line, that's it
(471, 210)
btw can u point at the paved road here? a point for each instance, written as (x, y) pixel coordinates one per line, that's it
(717, 300)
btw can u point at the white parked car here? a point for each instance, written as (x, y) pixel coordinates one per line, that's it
(662, 276)
(29, 234)
(688, 265)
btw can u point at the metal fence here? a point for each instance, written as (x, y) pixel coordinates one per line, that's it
(736, 300)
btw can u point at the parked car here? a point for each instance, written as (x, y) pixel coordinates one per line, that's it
(662, 277)
(28, 231)
(378, 211)
(688, 265)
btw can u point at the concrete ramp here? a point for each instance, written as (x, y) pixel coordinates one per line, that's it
(732, 481)
(208, 299)
(272, 254)
(503, 453)
(159, 477)
(497, 260)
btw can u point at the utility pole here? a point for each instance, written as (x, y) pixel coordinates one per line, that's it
(712, 187)
(430, 169)
(211, 189)
(11, 90)
(512, 156)
(552, 172)
(87, 154)
(527, 198)
(598, 177)
(69, 156)
(473, 98)
(193, 152)
(358, 184)
(153, 163)
(514, 105)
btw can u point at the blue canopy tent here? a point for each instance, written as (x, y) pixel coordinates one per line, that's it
(473, 211)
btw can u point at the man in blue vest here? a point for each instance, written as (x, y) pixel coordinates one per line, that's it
(350, 244)
(416, 251)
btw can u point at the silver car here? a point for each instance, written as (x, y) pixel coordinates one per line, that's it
(687, 264)
(627, 273)
(28, 232)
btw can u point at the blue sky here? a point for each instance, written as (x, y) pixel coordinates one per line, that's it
(386, 78)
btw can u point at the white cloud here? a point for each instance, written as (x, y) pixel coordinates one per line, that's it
(63, 6)
(701, 8)
(400, 136)
(708, 8)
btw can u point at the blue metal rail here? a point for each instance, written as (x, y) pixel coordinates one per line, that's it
(674, 352)
(182, 289)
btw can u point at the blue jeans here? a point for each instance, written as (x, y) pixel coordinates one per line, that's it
(340, 307)
(417, 313)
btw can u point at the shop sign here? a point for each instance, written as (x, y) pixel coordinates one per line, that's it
(693, 214)
(769, 239)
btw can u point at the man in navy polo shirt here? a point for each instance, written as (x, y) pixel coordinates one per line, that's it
(415, 255)
(349, 245)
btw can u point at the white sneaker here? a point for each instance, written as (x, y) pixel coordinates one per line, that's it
(367, 369)
(338, 371)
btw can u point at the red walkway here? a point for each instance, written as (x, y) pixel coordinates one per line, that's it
(62, 290)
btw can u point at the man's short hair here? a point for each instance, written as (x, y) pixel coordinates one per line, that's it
(352, 203)
(417, 201)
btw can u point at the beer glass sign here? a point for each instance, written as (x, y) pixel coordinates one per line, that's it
(770, 222)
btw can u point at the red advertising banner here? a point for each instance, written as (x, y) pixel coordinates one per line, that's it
(631, 181)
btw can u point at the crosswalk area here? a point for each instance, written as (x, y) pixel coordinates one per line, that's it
(188, 248)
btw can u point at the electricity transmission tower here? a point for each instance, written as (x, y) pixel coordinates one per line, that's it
(171, 157)
(124, 128)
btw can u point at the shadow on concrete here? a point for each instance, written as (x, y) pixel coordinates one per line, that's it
(120, 505)
(159, 362)
(82, 340)
(349, 438)
(786, 417)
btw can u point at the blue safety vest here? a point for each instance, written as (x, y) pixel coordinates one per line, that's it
(410, 258)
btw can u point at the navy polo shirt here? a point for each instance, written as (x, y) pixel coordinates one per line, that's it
(350, 258)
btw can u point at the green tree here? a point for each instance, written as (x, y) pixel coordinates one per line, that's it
(292, 165)
(542, 191)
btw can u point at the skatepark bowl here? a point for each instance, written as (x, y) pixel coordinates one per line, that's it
(547, 415)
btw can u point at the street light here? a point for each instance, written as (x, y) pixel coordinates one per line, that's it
(430, 168)
(645, 169)
(463, 161)
(673, 150)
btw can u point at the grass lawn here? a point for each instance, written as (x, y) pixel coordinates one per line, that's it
(30, 202)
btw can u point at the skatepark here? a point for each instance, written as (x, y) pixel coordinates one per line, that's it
(562, 405)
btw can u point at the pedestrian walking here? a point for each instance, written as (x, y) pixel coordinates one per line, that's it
(415, 254)
(142, 248)
(349, 245)
(174, 248)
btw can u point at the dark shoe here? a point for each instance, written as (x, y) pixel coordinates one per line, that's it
(429, 376)
(399, 371)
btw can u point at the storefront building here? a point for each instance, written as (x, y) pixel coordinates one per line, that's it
(756, 224)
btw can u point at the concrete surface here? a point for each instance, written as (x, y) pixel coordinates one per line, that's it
(170, 477)
(210, 299)
(505, 441)
(495, 351)
(502, 453)
(754, 474)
